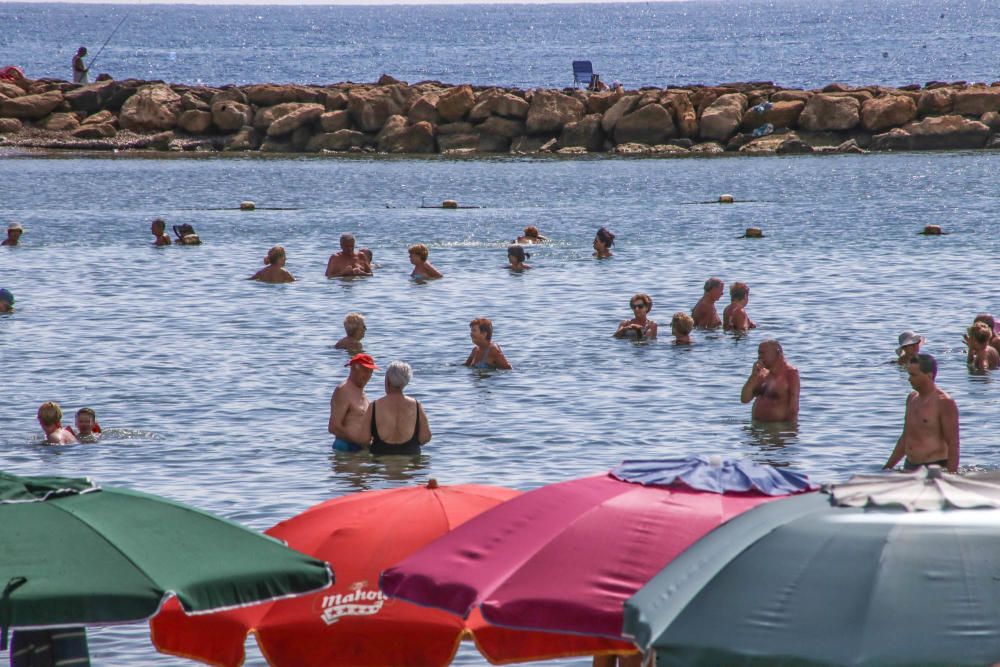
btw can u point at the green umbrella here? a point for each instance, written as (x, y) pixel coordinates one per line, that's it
(73, 553)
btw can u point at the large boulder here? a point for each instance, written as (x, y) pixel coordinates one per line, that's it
(341, 140)
(550, 110)
(230, 115)
(951, 131)
(267, 115)
(31, 107)
(791, 96)
(456, 128)
(830, 112)
(269, 94)
(458, 142)
(722, 118)
(586, 133)
(424, 109)
(887, 111)
(618, 109)
(684, 113)
(95, 131)
(991, 119)
(936, 101)
(230, 94)
(334, 100)
(194, 121)
(10, 126)
(191, 101)
(60, 122)
(92, 97)
(454, 103)
(398, 137)
(332, 121)
(503, 127)
(493, 143)
(601, 102)
(153, 107)
(305, 114)
(781, 114)
(976, 101)
(651, 124)
(99, 118)
(370, 109)
(246, 139)
(10, 90)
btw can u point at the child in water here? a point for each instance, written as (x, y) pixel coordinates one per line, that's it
(87, 428)
(50, 419)
(354, 327)
(680, 326)
(6, 301)
(158, 228)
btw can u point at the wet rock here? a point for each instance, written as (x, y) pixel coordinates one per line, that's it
(936, 101)
(31, 107)
(632, 149)
(95, 131)
(994, 142)
(60, 122)
(780, 114)
(722, 118)
(651, 124)
(461, 141)
(829, 112)
(341, 140)
(586, 133)
(527, 145)
(456, 128)
(153, 107)
(991, 119)
(850, 146)
(493, 143)
(416, 138)
(332, 121)
(246, 139)
(550, 110)
(572, 150)
(303, 115)
(503, 127)
(792, 145)
(954, 132)
(194, 121)
(708, 148)
(10, 125)
(763, 145)
(455, 103)
(888, 111)
(976, 101)
(277, 145)
(230, 115)
(896, 139)
(668, 150)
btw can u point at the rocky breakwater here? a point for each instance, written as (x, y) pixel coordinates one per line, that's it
(391, 116)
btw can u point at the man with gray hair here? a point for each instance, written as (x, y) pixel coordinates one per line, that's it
(347, 262)
(397, 423)
(930, 424)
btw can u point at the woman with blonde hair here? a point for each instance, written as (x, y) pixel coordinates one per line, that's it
(275, 271)
(355, 328)
(422, 269)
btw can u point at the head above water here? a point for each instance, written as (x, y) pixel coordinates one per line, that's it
(605, 236)
(484, 325)
(398, 374)
(988, 319)
(713, 283)
(641, 298)
(159, 226)
(354, 324)
(274, 255)
(926, 363)
(739, 291)
(531, 232)
(980, 333)
(49, 414)
(6, 297)
(681, 323)
(516, 252)
(347, 242)
(420, 250)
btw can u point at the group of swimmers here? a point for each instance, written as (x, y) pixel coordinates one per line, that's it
(50, 419)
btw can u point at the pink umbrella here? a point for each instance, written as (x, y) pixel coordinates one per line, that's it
(565, 557)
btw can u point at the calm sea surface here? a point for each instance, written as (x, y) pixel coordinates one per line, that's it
(790, 42)
(214, 390)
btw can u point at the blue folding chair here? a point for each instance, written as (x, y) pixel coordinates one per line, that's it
(583, 72)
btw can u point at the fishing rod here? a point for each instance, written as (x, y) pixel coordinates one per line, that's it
(101, 50)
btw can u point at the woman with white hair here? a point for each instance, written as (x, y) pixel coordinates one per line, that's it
(397, 423)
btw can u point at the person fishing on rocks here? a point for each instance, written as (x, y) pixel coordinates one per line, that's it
(80, 71)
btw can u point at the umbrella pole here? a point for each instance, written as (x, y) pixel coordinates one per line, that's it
(5, 619)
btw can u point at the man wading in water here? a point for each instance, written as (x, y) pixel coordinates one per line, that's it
(930, 425)
(773, 385)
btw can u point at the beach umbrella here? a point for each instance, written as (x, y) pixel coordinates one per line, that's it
(892, 569)
(74, 553)
(563, 558)
(353, 624)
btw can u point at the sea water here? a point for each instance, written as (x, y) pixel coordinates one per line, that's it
(790, 42)
(215, 390)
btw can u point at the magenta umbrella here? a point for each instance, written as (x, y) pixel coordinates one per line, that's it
(565, 557)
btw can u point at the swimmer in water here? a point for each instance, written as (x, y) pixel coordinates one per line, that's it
(158, 228)
(486, 353)
(14, 231)
(909, 347)
(531, 236)
(640, 326)
(773, 385)
(355, 327)
(734, 317)
(704, 314)
(347, 262)
(6, 301)
(349, 404)
(982, 356)
(603, 241)
(681, 325)
(930, 424)
(516, 257)
(988, 320)
(422, 269)
(275, 271)
(87, 428)
(50, 419)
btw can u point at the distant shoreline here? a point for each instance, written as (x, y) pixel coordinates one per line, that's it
(392, 117)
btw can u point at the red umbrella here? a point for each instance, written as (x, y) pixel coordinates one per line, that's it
(565, 557)
(353, 623)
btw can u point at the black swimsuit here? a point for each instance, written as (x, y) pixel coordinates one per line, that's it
(409, 448)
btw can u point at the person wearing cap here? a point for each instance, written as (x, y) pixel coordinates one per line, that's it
(80, 71)
(349, 404)
(6, 301)
(14, 231)
(773, 386)
(930, 425)
(909, 347)
(704, 313)
(348, 263)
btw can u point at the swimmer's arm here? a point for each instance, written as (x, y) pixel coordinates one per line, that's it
(472, 356)
(431, 272)
(424, 434)
(499, 360)
(949, 427)
(750, 386)
(622, 328)
(969, 353)
(256, 276)
(338, 412)
(793, 393)
(288, 277)
(651, 329)
(365, 430)
(900, 449)
(330, 266)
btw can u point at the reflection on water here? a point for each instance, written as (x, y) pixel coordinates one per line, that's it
(362, 472)
(770, 436)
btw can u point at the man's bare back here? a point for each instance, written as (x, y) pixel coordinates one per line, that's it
(704, 313)
(930, 427)
(348, 406)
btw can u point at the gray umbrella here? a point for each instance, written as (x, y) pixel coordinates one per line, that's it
(886, 570)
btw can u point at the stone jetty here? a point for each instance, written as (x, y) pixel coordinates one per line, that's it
(391, 116)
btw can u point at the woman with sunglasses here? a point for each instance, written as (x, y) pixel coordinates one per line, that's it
(640, 326)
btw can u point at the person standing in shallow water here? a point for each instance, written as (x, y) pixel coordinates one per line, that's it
(704, 313)
(486, 353)
(349, 404)
(355, 328)
(603, 241)
(773, 385)
(734, 317)
(930, 423)
(80, 71)
(397, 423)
(158, 228)
(275, 271)
(640, 326)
